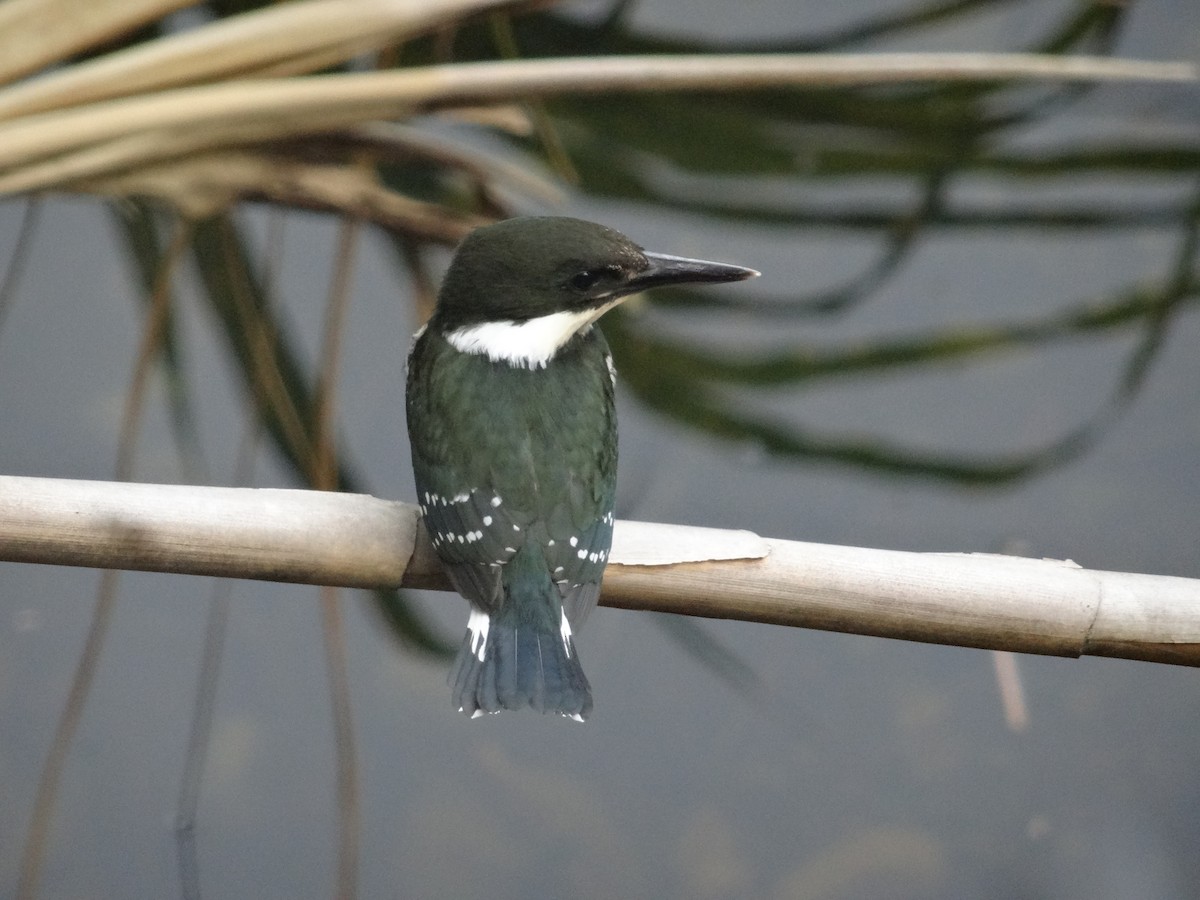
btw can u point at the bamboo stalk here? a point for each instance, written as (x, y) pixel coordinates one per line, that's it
(971, 600)
(308, 537)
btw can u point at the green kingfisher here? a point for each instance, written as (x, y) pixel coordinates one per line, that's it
(513, 429)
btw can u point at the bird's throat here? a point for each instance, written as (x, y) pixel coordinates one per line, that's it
(530, 344)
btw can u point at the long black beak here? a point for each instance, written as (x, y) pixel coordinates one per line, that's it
(666, 269)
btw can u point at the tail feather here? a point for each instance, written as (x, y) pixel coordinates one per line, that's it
(511, 666)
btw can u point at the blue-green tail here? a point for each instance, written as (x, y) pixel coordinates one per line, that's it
(512, 661)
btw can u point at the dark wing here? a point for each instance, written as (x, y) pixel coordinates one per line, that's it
(577, 560)
(474, 536)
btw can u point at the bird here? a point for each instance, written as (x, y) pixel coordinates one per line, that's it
(512, 423)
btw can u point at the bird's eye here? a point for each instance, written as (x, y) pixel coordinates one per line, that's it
(585, 280)
(589, 278)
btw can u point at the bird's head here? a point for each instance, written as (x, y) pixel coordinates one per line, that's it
(544, 279)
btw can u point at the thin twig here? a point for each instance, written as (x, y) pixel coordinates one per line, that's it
(348, 793)
(204, 704)
(85, 670)
(149, 349)
(199, 735)
(332, 626)
(265, 379)
(19, 258)
(37, 837)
